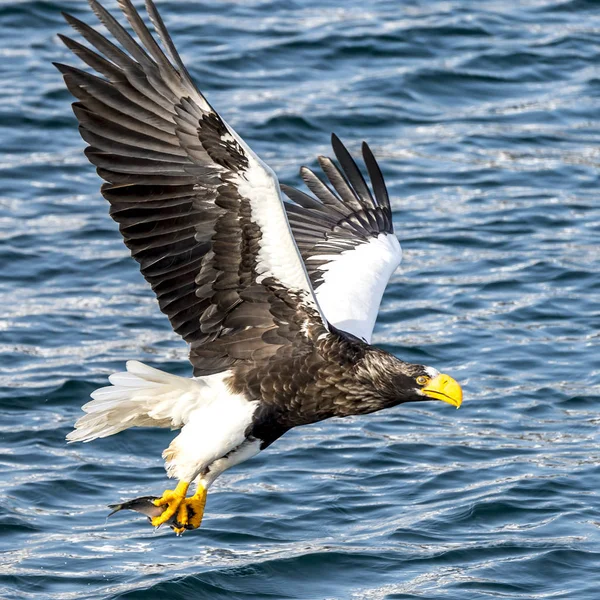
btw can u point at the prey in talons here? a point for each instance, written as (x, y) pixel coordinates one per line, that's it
(172, 508)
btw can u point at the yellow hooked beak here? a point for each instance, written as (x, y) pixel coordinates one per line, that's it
(444, 388)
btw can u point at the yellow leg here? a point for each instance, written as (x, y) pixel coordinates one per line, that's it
(196, 506)
(191, 511)
(172, 499)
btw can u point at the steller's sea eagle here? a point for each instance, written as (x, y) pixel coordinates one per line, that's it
(277, 300)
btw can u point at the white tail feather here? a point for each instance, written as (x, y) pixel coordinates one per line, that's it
(141, 397)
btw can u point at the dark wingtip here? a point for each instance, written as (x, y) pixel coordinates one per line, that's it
(337, 144)
(339, 148)
(367, 153)
(65, 39)
(70, 19)
(61, 67)
(376, 176)
(286, 188)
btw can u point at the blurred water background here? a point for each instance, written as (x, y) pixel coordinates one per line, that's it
(485, 118)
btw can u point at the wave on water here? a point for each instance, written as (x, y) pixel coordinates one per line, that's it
(485, 119)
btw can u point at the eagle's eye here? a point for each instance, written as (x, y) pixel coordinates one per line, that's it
(422, 380)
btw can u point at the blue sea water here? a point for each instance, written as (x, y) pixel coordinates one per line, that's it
(485, 117)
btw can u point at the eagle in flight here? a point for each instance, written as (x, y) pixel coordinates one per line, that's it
(276, 300)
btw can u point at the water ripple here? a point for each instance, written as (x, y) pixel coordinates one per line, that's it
(485, 118)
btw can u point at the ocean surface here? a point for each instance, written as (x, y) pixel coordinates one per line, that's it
(485, 117)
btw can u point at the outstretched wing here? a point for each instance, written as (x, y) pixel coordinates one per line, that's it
(200, 212)
(346, 238)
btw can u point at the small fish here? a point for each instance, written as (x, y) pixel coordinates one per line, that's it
(144, 505)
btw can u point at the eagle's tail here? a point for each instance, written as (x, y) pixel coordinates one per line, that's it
(141, 397)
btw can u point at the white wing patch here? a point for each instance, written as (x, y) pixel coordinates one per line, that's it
(278, 255)
(354, 282)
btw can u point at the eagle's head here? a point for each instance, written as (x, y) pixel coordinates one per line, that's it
(427, 383)
(398, 381)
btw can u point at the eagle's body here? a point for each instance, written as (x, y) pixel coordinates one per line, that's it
(277, 301)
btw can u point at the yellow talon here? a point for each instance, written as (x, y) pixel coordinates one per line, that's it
(196, 504)
(182, 513)
(188, 511)
(173, 499)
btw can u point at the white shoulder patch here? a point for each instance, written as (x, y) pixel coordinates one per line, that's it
(354, 282)
(278, 255)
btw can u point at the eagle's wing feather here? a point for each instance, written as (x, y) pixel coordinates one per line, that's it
(346, 238)
(200, 212)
